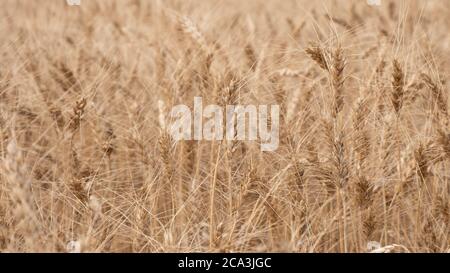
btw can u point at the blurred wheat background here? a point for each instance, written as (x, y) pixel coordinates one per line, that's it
(87, 166)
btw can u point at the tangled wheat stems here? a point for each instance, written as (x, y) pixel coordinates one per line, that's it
(88, 164)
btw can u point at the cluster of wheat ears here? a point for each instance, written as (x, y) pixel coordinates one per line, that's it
(363, 160)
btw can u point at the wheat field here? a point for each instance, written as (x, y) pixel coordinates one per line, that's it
(86, 164)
